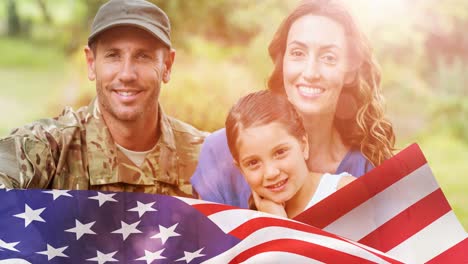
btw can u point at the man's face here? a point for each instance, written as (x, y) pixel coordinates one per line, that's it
(128, 65)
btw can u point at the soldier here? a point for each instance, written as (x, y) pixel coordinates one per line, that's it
(121, 141)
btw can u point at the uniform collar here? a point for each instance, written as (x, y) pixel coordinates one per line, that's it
(167, 134)
(105, 160)
(166, 137)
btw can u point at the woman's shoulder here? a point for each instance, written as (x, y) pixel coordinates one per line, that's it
(355, 163)
(354, 155)
(214, 148)
(217, 139)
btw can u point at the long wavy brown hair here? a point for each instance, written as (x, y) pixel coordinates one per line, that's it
(363, 126)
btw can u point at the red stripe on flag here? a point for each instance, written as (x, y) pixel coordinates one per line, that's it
(209, 209)
(409, 222)
(455, 254)
(370, 184)
(247, 228)
(313, 251)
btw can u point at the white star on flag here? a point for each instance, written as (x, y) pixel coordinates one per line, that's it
(81, 229)
(189, 256)
(152, 256)
(9, 246)
(166, 233)
(103, 197)
(52, 252)
(102, 258)
(31, 215)
(142, 208)
(57, 193)
(127, 229)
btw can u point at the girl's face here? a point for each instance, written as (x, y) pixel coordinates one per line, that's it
(315, 64)
(272, 161)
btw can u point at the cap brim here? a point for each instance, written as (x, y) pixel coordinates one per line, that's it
(153, 30)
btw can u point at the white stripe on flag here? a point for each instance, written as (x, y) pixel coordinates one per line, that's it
(278, 257)
(446, 230)
(374, 212)
(272, 233)
(192, 201)
(371, 249)
(229, 220)
(14, 261)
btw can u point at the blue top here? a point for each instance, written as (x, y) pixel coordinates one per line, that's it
(217, 179)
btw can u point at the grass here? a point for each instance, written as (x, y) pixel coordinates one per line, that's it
(23, 54)
(27, 95)
(32, 76)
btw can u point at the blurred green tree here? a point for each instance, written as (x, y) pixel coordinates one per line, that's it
(13, 19)
(45, 11)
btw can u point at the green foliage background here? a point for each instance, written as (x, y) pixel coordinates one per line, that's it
(422, 47)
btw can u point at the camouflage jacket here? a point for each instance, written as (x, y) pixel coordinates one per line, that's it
(76, 151)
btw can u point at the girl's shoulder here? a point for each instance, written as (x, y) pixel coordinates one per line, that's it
(344, 180)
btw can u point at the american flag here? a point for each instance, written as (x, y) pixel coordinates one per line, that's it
(58, 226)
(55, 226)
(397, 208)
(52, 226)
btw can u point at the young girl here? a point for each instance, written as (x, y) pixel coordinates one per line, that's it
(269, 145)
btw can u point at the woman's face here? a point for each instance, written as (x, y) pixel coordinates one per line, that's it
(315, 65)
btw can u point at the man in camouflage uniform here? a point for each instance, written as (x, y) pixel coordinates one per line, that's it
(122, 141)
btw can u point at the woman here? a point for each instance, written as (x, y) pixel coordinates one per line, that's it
(326, 68)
